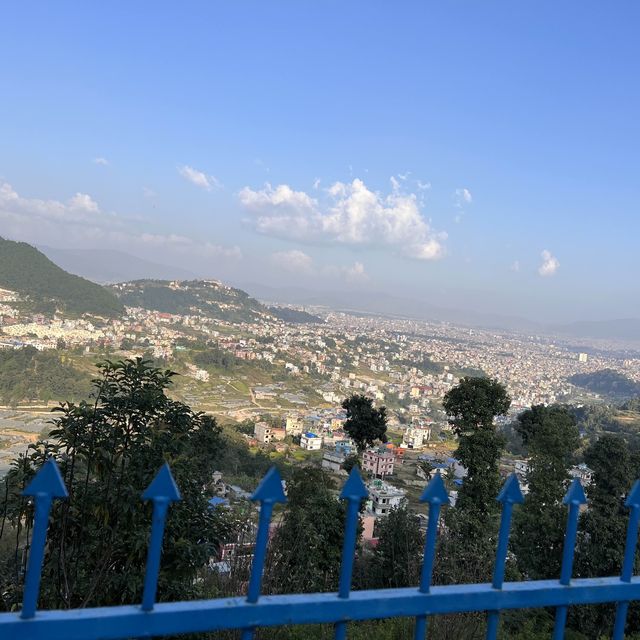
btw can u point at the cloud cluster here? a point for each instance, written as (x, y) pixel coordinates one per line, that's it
(79, 221)
(198, 178)
(298, 262)
(350, 214)
(549, 264)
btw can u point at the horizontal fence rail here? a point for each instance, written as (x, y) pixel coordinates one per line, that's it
(149, 619)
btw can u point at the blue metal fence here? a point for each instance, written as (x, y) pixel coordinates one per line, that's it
(151, 619)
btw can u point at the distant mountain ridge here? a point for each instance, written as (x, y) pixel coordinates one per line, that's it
(107, 266)
(46, 287)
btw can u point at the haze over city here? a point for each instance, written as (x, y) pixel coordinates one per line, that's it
(474, 157)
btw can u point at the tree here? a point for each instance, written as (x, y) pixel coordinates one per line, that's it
(305, 553)
(108, 452)
(601, 548)
(550, 435)
(472, 406)
(397, 558)
(365, 424)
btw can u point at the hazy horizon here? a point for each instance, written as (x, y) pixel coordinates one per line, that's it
(474, 157)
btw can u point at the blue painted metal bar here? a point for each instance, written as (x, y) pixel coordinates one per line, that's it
(510, 495)
(45, 486)
(268, 493)
(573, 498)
(633, 503)
(435, 495)
(236, 613)
(162, 491)
(354, 492)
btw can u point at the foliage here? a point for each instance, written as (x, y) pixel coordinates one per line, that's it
(551, 437)
(294, 316)
(397, 557)
(365, 423)
(30, 273)
(214, 356)
(108, 453)
(472, 406)
(604, 525)
(29, 374)
(305, 552)
(203, 297)
(607, 382)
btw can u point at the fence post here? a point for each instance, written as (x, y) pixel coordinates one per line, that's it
(435, 495)
(46, 486)
(162, 491)
(354, 492)
(573, 498)
(633, 503)
(510, 495)
(269, 492)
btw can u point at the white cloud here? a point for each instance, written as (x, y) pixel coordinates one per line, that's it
(549, 264)
(81, 222)
(463, 196)
(316, 184)
(295, 261)
(148, 193)
(199, 178)
(515, 266)
(351, 214)
(355, 273)
(423, 186)
(101, 161)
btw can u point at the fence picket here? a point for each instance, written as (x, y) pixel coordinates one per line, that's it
(573, 498)
(174, 618)
(510, 495)
(162, 491)
(633, 503)
(268, 493)
(354, 492)
(435, 495)
(45, 486)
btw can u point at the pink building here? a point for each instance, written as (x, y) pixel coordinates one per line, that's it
(379, 462)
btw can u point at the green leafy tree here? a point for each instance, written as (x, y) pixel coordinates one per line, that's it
(305, 553)
(397, 558)
(472, 406)
(551, 437)
(601, 547)
(365, 423)
(108, 452)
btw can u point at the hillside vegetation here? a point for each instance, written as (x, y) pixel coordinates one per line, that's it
(46, 287)
(31, 375)
(205, 297)
(608, 383)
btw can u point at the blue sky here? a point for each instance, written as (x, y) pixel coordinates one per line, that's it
(431, 150)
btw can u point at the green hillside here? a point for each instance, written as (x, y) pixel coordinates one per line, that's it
(46, 286)
(31, 375)
(196, 297)
(608, 383)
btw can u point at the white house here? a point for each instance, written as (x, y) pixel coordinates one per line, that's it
(310, 441)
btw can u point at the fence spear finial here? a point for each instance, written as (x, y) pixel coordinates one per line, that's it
(268, 493)
(162, 491)
(435, 494)
(574, 498)
(354, 492)
(633, 503)
(509, 495)
(45, 486)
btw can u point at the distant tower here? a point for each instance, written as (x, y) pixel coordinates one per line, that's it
(582, 357)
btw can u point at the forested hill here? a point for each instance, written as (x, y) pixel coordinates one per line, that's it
(608, 383)
(46, 287)
(29, 375)
(191, 297)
